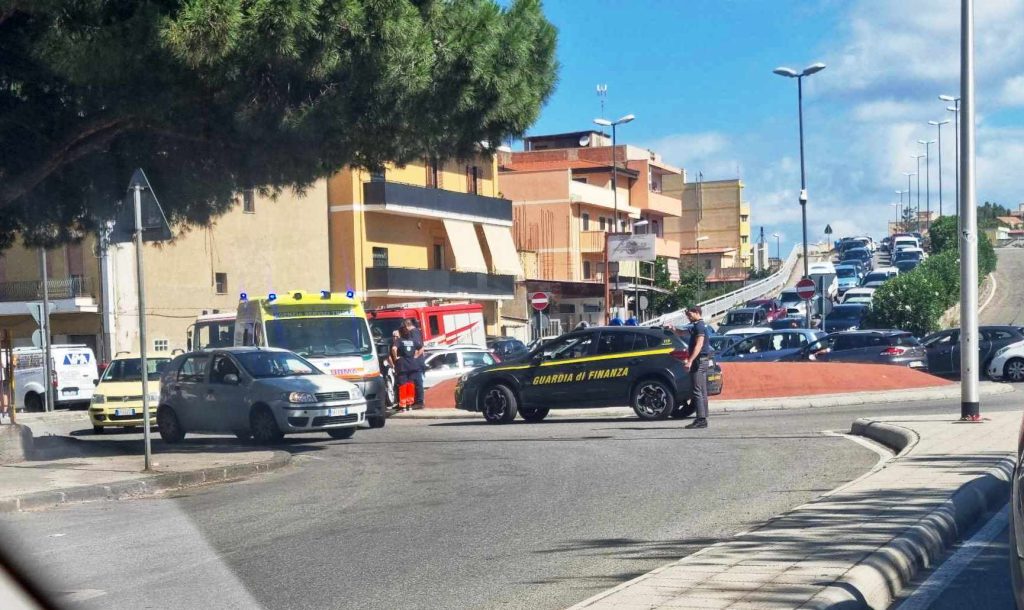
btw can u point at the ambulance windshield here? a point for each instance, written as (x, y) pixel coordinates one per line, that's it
(327, 336)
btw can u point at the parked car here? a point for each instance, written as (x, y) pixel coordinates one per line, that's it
(861, 254)
(907, 265)
(743, 317)
(906, 254)
(793, 303)
(879, 277)
(856, 264)
(748, 332)
(896, 347)
(823, 267)
(721, 342)
(848, 277)
(1007, 363)
(770, 347)
(849, 316)
(789, 322)
(772, 307)
(943, 348)
(859, 295)
(260, 392)
(117, 400)
(440, 365)
(507, 348)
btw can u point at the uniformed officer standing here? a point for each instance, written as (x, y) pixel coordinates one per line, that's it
(407, 354)
(697, 363)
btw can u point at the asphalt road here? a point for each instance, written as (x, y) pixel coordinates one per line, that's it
(1007, 305)
(450, 513)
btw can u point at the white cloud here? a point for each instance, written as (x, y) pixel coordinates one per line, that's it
(1013, 91)
(689, 150)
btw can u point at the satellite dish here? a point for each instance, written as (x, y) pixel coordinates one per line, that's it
(585, 140)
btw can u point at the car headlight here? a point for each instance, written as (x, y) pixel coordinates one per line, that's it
(99, 399)
(301, 397)
(355, 392)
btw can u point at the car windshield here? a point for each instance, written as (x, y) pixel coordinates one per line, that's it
(130, 369)
(739, 318)
(263, 364)
(789, 297)
(327, 336)
(846, 272)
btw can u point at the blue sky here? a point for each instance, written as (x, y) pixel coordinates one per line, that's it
(697, 74)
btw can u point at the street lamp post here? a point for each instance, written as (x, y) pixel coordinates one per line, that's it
(938, 127)
(899, 223)
(799, 76)
(700, 272)
(955, 109)
(927, 181)
(778, 247)
(970, 407)
(615, 200)
(898, 207)
(909, 192)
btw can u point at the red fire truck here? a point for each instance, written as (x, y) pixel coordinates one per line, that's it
(440, 325)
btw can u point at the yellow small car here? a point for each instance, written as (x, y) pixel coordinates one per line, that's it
(117, 400)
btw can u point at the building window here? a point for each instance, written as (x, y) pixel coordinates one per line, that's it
(586, 270)
(602, 223)
(161, 345)
(744, 218)
(581, 179)
(656, 228)
(438, 256)
(435, 325)
(380, 257)
(743, 239)
(586, 221)
(473, 179)
(707, 264)
(433, 181)
(378, 176)
(249, 201)
(220, 283)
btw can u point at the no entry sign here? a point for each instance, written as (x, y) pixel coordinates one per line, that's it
(539, 301)
(805, 289)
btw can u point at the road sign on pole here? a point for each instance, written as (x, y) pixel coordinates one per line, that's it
(805, 289)
(539, 301)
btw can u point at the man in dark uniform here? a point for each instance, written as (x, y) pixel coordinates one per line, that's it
(407, 354)
(697, 363)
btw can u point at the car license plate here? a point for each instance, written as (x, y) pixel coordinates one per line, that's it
(336, 412)
(69, 391)
(916, 365)
(714, 377)
(123, 412)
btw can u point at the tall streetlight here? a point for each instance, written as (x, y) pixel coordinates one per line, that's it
(917, 207)
(898, 211)
(700, 282)
(799, 76)
(916, 221)
(778, 246)
(970, 407)
(899, 228)
(938, 127)
(636, 274)
(615, 200)
(955, 109)
(927, 181)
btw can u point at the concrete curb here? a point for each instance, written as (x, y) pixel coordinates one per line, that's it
(141, 487)
(759, 404)
(875, 581)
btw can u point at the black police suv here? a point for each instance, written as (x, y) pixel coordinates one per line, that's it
(594, 367)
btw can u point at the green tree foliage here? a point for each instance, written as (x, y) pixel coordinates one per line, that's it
(988, 213)
(909, 302)
(210, 96)
(942, 235)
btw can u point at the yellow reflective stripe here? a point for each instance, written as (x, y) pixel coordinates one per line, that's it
(650, 352)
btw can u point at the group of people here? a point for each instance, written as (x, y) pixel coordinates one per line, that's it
(406, 356)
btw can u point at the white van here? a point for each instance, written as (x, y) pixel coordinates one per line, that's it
(74, 376)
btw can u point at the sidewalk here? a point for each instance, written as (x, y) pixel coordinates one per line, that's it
(946, 392)
(67, 469)
(858, 545)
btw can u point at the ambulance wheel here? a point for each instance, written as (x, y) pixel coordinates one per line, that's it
(499, 404)
(390, 388)
(33, 402)
(652, 399)
(533, 415)
(376, 421)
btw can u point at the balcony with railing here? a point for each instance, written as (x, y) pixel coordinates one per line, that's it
(663, 204)
(430, 283)
(412, 200)
(591, 194)
(592, 241)
(57, 289)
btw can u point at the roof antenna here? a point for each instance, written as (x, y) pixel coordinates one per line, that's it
(602, 94)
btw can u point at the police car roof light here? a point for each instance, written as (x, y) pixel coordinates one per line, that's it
(351, 294)
(272, 297)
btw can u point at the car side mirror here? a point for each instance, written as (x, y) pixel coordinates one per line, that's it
(96, 381)
(537, 359)
(231, 379)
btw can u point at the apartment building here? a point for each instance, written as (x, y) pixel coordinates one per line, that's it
(565, 204)
(426, 231)
(713, 229)
(261, 245)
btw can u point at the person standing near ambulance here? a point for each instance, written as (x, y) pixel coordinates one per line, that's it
(407, 354)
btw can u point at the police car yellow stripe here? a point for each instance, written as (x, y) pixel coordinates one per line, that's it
(650, 352)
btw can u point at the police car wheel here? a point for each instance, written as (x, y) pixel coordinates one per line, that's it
(499, 404)
(533, 415)
(652, 400)
(170, 427)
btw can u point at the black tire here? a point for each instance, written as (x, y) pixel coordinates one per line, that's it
(1013, 370)
(33, 402)
(652, 399)
(390, 387)
(499, 405)
(243, 435)
(97, 429)
(263, 426)
(534, 415)
(170, 428)
(376, 421)
(342, 433)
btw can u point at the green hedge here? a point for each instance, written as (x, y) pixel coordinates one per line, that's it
(915, 301)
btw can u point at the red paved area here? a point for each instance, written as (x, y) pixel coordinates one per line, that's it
(775, 379)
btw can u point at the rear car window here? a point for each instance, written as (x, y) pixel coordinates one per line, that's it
(193, 369)
(844, 342)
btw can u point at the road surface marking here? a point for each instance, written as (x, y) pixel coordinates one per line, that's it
(932, 588)
(991, 293)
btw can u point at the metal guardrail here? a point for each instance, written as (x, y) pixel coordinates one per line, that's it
(719, 305)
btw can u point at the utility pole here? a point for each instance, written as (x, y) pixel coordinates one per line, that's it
(44, 320)
(970, 407)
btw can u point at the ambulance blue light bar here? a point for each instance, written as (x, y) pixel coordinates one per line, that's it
(272, 296)
(325, 294)
(243, 297)
(351, 294)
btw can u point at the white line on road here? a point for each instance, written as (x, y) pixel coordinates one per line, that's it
(932, 588)
(991, 293)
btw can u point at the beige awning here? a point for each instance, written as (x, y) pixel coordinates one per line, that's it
(466, 246)
(504, 258)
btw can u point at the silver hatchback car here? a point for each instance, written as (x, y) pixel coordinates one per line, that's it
(257, 392)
